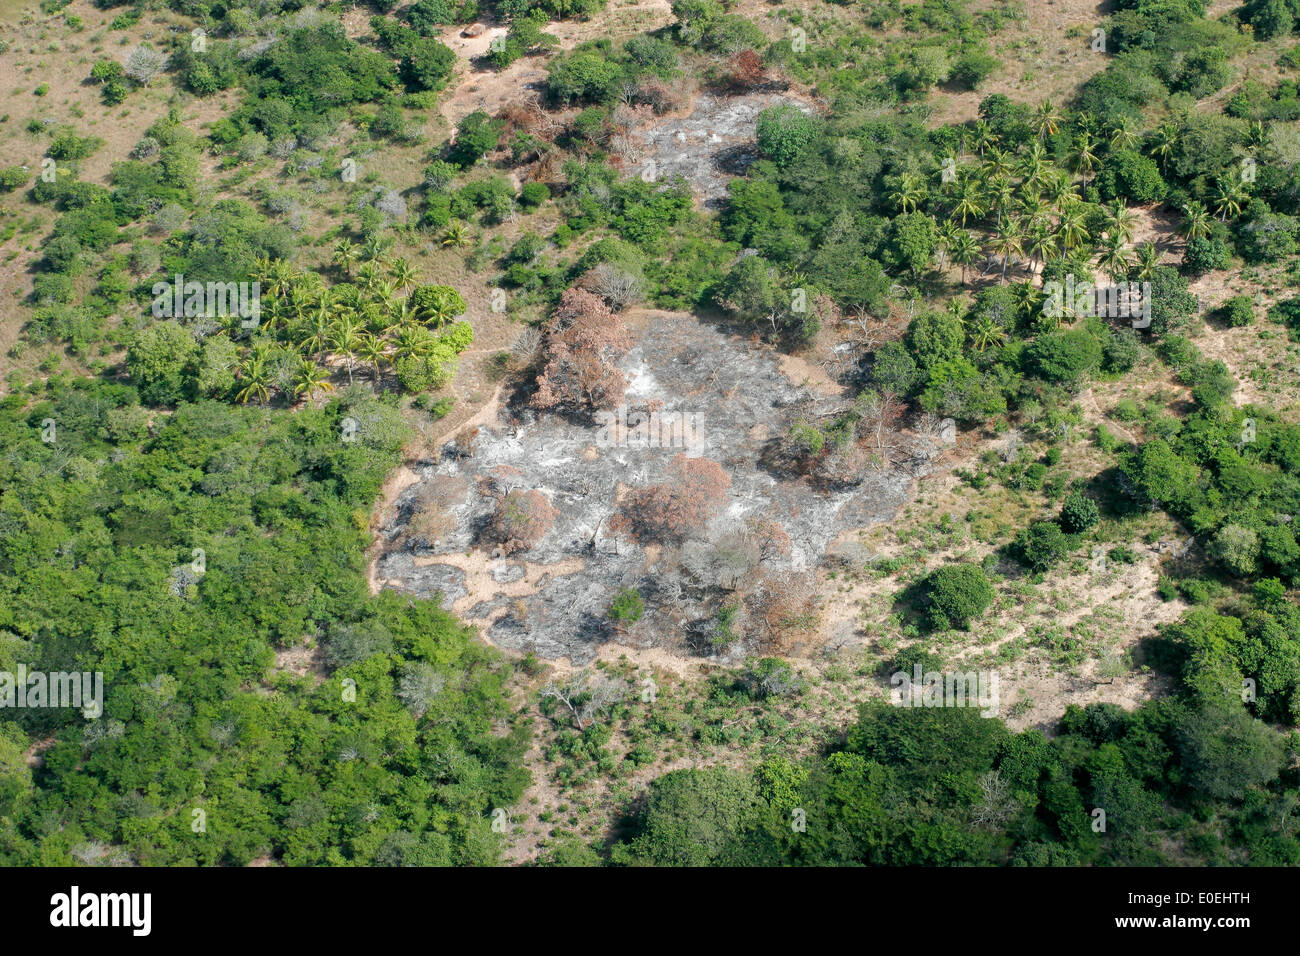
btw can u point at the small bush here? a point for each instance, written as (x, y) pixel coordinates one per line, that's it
(1206, 254)
(1042, 545)
(1237, 311)
(1079, 513)
(533, 195)
(955, 595)
(627, 607)
(905, 662)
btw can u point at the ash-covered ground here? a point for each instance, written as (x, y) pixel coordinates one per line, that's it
(712, 145)
(554, 598)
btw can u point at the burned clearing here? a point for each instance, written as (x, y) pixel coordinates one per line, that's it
(737, 573)
(710, 145)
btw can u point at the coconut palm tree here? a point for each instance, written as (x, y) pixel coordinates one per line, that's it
(1007, 241)
(374, 247)
(345, 255)
(1072, 230)
(1257, 136)
(261, 270)
(308, 378)
(1047, 120)
(385, 294)
(1120, 220)
(273, 315)
(370, 275)
(1084, 158)
(404, 274)
(374, 351)
(399, 315)
(1040, 243)
(908, 193)
(314, 282)
(263, 350)
(947, 233)
(1035, 165)
(1163, 143)
(299, 300)
(997, 162)
(1059, 191)
(1029, 198)
(316, 332)
(1025, 295)
(1229, 198)
(970, 200)
(413, 341)
(345, 341)
(1196, 220)
(985, 332)
(280, 276)
(255, 379)
(1087, 123)
(456, 235)
(965, 249)
(1122, 134)
(1113, 257)
(1148, 260)
(1001, 193)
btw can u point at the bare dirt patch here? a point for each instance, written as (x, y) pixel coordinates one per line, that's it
(301, 660)
(1047, 59)
(490, 90)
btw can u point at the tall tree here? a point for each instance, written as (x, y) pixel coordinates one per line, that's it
(1007, 241)
(1196, 220)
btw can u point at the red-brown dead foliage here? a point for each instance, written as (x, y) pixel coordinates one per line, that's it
(773, 541)
(584, 343)
(549, 169)
(517, 118)
(520, 520)
(696, 488)
(660, 96)
(745, 71)
(786, 609)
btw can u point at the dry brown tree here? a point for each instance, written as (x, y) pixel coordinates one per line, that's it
(773, 540)
(785, 608)
(879, 426)
(694, 491)
(431, 517)
(520, 520)
(660, 96)
(583, 344)
(619, 287)
(524, 351)
(466, 442)
(726, 561)
(429, 526)
(587, 695)
(745, 71)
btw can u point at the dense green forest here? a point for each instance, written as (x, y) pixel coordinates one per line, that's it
(178, 559)
(186, 501)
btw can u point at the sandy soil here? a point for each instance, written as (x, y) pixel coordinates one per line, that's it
(483, 88)
(1040, 63)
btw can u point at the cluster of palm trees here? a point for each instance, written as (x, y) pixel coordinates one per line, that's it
(1028, 206)
(306, 328)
